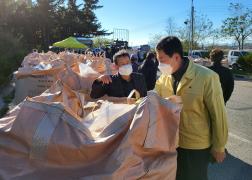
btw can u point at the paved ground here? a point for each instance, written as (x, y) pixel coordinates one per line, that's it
(238, 165)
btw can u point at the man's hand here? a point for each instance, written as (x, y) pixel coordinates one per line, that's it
(106, 79)
(131, 100)
(175, 99)
(218, 156)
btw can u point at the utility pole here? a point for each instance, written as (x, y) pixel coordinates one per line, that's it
(192, 25)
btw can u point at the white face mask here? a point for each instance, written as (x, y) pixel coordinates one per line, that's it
(165, 69)
(125, 70)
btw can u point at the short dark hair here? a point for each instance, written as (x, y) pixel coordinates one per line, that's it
(170, 45)
(216, 55)
(133, 58)
(119, 54)
(150, 55)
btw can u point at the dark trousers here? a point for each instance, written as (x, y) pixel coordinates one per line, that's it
(192, 164)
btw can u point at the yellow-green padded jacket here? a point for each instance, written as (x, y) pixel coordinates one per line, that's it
(203, 120)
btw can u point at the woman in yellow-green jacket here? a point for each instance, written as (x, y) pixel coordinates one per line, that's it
(203, 122)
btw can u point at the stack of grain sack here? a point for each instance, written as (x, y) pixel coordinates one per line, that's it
(40, 70)
(64, 134)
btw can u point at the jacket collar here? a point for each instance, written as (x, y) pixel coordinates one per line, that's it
(187, 78)
(181, 71)
(131, 76)
(190, 73)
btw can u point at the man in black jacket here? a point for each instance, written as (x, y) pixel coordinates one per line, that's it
(121, 84)
(226, 76)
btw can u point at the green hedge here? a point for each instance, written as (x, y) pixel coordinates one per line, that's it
(245, 62)
(7, 100)
(11, 55)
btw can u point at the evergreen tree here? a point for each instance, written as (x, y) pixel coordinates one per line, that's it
(47, 21)
(91, 24)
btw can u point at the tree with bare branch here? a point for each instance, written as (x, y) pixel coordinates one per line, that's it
(239, 26)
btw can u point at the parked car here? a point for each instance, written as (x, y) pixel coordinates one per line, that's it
(233, 56)
(200, 57)
(199, 54)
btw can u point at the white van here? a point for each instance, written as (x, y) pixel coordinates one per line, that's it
(233, 56)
